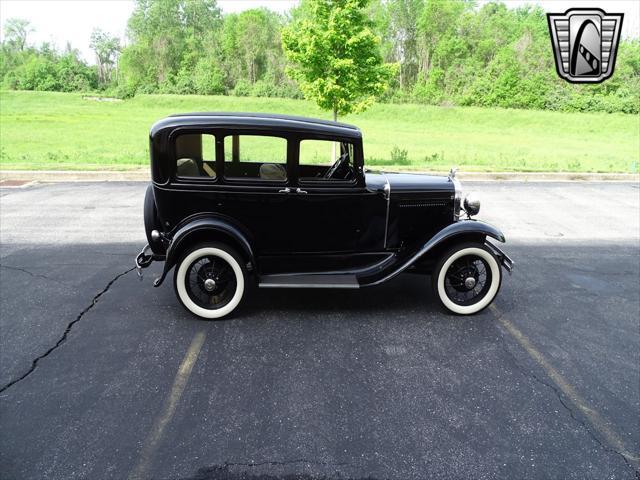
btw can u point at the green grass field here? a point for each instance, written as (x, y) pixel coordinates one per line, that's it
(45, 130)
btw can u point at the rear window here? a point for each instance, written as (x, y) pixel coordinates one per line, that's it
(195, 155)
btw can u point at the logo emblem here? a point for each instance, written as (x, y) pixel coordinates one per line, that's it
(585, 43)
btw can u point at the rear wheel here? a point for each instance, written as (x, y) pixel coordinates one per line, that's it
(210, 280)
(467, 278)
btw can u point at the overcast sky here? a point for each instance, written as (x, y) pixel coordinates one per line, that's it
(59, 21)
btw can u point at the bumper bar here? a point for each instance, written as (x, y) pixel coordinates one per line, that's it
(143, 260)
(506, 262)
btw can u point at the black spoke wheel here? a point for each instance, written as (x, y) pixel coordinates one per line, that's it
(210, 280)
(467, 278)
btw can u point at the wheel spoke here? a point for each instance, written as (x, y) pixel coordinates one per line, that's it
(224, 275)
(214, 268)
(467, 267)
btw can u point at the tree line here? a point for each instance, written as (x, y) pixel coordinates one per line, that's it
(442, 53)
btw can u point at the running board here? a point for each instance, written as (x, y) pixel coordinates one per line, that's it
(309, 281)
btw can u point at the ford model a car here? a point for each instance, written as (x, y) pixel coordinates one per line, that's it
(241, 200)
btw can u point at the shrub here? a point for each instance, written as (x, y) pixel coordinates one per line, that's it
(264, 88)
(399, 156)
(182, 84)
(242, 88)
(430, 89)
(208, 79)
(124, 91)
(38, 73)
(268, 87)
(289, 89)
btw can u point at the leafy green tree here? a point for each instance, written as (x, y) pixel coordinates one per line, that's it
(51, 72)
(166, 35)
(436, 23)
(208, 78)
(106, 48)
(16, 31)
(335, 56)
(449, 52)
(404, 37)
(251, 48)
(255, 34)
(73, 75)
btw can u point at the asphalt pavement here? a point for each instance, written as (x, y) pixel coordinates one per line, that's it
(103, 376)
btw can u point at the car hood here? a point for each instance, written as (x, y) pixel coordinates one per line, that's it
(411, 182)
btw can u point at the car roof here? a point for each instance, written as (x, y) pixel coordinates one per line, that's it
(268, 121)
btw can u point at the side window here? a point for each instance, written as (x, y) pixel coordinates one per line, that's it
(326, 160)
(258, 157)
(195, 155)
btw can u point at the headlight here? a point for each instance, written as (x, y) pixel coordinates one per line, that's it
(471, 204)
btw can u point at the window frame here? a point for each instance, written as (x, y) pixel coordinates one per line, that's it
(227, 132)
(325, 183)
(293, 139)
(174, 155)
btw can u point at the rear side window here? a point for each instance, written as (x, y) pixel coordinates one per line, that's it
(258, 157)
(195, 155)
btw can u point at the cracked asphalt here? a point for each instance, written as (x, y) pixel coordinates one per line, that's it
(103, 376)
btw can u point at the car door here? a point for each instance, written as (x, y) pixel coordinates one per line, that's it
(329, 214)
(256, 187)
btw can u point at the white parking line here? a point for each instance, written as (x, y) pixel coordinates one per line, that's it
(593, 416)
(171, 402)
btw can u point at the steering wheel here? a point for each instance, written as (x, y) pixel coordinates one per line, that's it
(333, 169)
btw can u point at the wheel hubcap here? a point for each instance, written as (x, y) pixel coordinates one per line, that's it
(209, 284)
(470, 282)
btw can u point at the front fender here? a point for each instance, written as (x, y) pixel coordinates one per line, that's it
(465, 227)
(217, 226)
(460, 228)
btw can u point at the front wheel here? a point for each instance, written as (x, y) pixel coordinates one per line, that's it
(467, 278)
(210, 281)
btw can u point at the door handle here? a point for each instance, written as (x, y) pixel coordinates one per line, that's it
(299, 190)
(285, 190)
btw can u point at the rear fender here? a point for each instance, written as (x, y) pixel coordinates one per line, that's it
(201, 228)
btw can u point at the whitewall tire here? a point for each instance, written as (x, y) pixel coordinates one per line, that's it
(467, 278)
(210, 280)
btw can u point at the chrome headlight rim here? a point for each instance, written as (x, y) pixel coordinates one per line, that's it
(457, 199)
(471, 204)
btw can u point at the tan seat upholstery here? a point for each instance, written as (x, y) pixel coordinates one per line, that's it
(187, 167)
(208, 170)
(272, 171)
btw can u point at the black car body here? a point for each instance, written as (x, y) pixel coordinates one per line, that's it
(255, 187)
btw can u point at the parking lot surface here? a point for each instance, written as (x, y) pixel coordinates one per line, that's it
(104, 376)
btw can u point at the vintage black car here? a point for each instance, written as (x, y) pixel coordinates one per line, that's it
(240, 200)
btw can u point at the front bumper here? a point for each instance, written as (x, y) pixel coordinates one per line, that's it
(506, 262)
